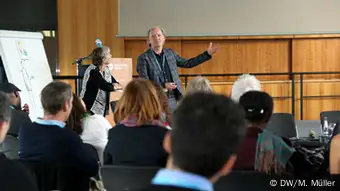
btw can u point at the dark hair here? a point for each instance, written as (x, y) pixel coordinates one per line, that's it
(163, 99)
(77, 113)
(207, 129)
(258, 106)
(54, 95)
(5, 110)
(98, 55)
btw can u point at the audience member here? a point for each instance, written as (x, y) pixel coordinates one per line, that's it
(47, 141)
(261, 150)
(92, 128)
(244, 84)
(10, 146)
(207, 129)
(198, 84)
(137, 138)
(13, 175)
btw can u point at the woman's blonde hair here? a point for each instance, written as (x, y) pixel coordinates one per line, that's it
(139, 98)
(198, 84)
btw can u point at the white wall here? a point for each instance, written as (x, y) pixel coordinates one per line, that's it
(229, 17)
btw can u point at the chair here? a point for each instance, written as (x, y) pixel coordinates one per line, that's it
(283, 125)
(126, 177)
(45, 174)
(332, 116)
(247, 180)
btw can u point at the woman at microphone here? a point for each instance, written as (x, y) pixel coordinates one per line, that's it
(98, 82)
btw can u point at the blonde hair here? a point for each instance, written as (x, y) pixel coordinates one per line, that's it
(243, 84)
(198, 84)
(139, 98)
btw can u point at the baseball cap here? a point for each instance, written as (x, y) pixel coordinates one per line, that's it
(8, 87)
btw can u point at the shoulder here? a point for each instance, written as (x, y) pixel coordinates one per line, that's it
(97, 120)
(144, 54)
(169, 50)
(149, 129)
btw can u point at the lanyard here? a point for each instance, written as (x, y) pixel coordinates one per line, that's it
(163, 61)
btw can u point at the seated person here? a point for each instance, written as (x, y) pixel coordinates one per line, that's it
(13, 175)
(137, 138)
(261, 150)
(10, 146)
(198, 84)
(92, 128)
(243, 84)
(47, 141)
(207, 129)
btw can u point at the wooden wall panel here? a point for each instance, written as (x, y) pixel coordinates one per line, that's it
(313, 105)
(80, 22)
(316, 55)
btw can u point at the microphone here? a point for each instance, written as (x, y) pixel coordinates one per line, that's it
(80, 60)
(99, 43)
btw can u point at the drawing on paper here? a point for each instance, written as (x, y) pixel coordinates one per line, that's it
(25, 73)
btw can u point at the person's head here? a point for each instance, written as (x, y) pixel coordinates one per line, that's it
(258, 106)
(156, 37)
(78, 112)
(163, 98)
(5, 115)
(244, 84)
(206, 131)
(101, 57)
(13, 92)
(139, 98)
(56, 99)
(198, 84)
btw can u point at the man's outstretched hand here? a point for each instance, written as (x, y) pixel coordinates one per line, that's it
(213, 48)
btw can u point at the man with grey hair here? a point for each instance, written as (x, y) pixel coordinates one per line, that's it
(243, 84)
(46, 140)
(13, 175)
(160, 64)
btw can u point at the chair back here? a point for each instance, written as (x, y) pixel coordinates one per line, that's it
(45, 174)
(332, 116)
(283, 125)
(247, 180)
(124, 178)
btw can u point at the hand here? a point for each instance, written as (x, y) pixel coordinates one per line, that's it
(117, 86)
(26, 109)
(212, 49)
(170, 86)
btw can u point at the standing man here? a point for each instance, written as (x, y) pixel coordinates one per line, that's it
(160, 64)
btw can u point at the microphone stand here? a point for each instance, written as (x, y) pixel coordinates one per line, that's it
(79, 63)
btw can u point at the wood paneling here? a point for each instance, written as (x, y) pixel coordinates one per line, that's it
(80, 22)
(316, 55)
